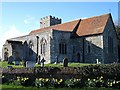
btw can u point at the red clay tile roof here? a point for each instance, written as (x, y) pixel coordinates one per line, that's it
(69, 26)
(89, 26)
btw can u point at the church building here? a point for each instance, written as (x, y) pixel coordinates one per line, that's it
(89, 40)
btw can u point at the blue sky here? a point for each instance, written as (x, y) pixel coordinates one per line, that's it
(16, 13)
(22, 17)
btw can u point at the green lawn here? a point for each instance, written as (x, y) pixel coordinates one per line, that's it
(5, 64)
(12, 87)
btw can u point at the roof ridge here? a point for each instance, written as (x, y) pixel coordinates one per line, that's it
(97, 16)
(55, 25)
(61, 24)
(86, 26)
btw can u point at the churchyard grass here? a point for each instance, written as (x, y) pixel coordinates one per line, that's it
(5, 64)
(13, 87)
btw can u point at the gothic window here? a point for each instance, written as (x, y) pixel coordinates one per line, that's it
(110, 44)
(43, 44)
(62, 48)
(78, 57)
(31, 45)
(31, 48)
(74, 49)
(44, 48)
(89, 47)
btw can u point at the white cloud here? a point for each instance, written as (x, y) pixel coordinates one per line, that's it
(31, 23)
(26, 21)
(29, 20)
(11, 32)
(83, 17)
(0, 29)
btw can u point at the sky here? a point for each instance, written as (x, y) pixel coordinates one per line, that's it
(19, 18)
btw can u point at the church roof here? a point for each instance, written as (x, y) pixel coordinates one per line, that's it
(69, 26)
(88, 26)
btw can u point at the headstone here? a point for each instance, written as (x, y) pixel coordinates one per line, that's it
(42, 62)
(65, 62)
(56, 60)
(10, 60)
(17, 62)
(24, 63)
(9, 67)
(30, 64)
(97, 61)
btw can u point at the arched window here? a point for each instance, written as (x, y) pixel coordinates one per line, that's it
(74, 49)
(110, 44)
(62, 48)
(78, 57)
(31, 44)
(88, 47)
(30, 47)
(43, 44)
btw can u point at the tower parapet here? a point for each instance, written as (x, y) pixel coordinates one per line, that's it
(49, 21)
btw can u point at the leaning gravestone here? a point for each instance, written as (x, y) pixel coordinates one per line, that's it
(65, 62)
(30, 64)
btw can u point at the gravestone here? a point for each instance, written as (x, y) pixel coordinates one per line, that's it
(17, 62)
(42, 62)
(30, 64)
(97, 61)
(10, 67)
(56, 60)
(10, 60)
(65, 62)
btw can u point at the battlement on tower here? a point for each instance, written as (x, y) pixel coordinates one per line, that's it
(49, 21)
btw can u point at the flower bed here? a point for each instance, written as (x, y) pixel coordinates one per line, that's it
(87, 76)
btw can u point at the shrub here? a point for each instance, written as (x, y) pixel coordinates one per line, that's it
(90, 82)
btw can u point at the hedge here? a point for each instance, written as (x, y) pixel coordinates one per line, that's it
(93, 76)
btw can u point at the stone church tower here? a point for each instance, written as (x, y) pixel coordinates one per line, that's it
(49, 21)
